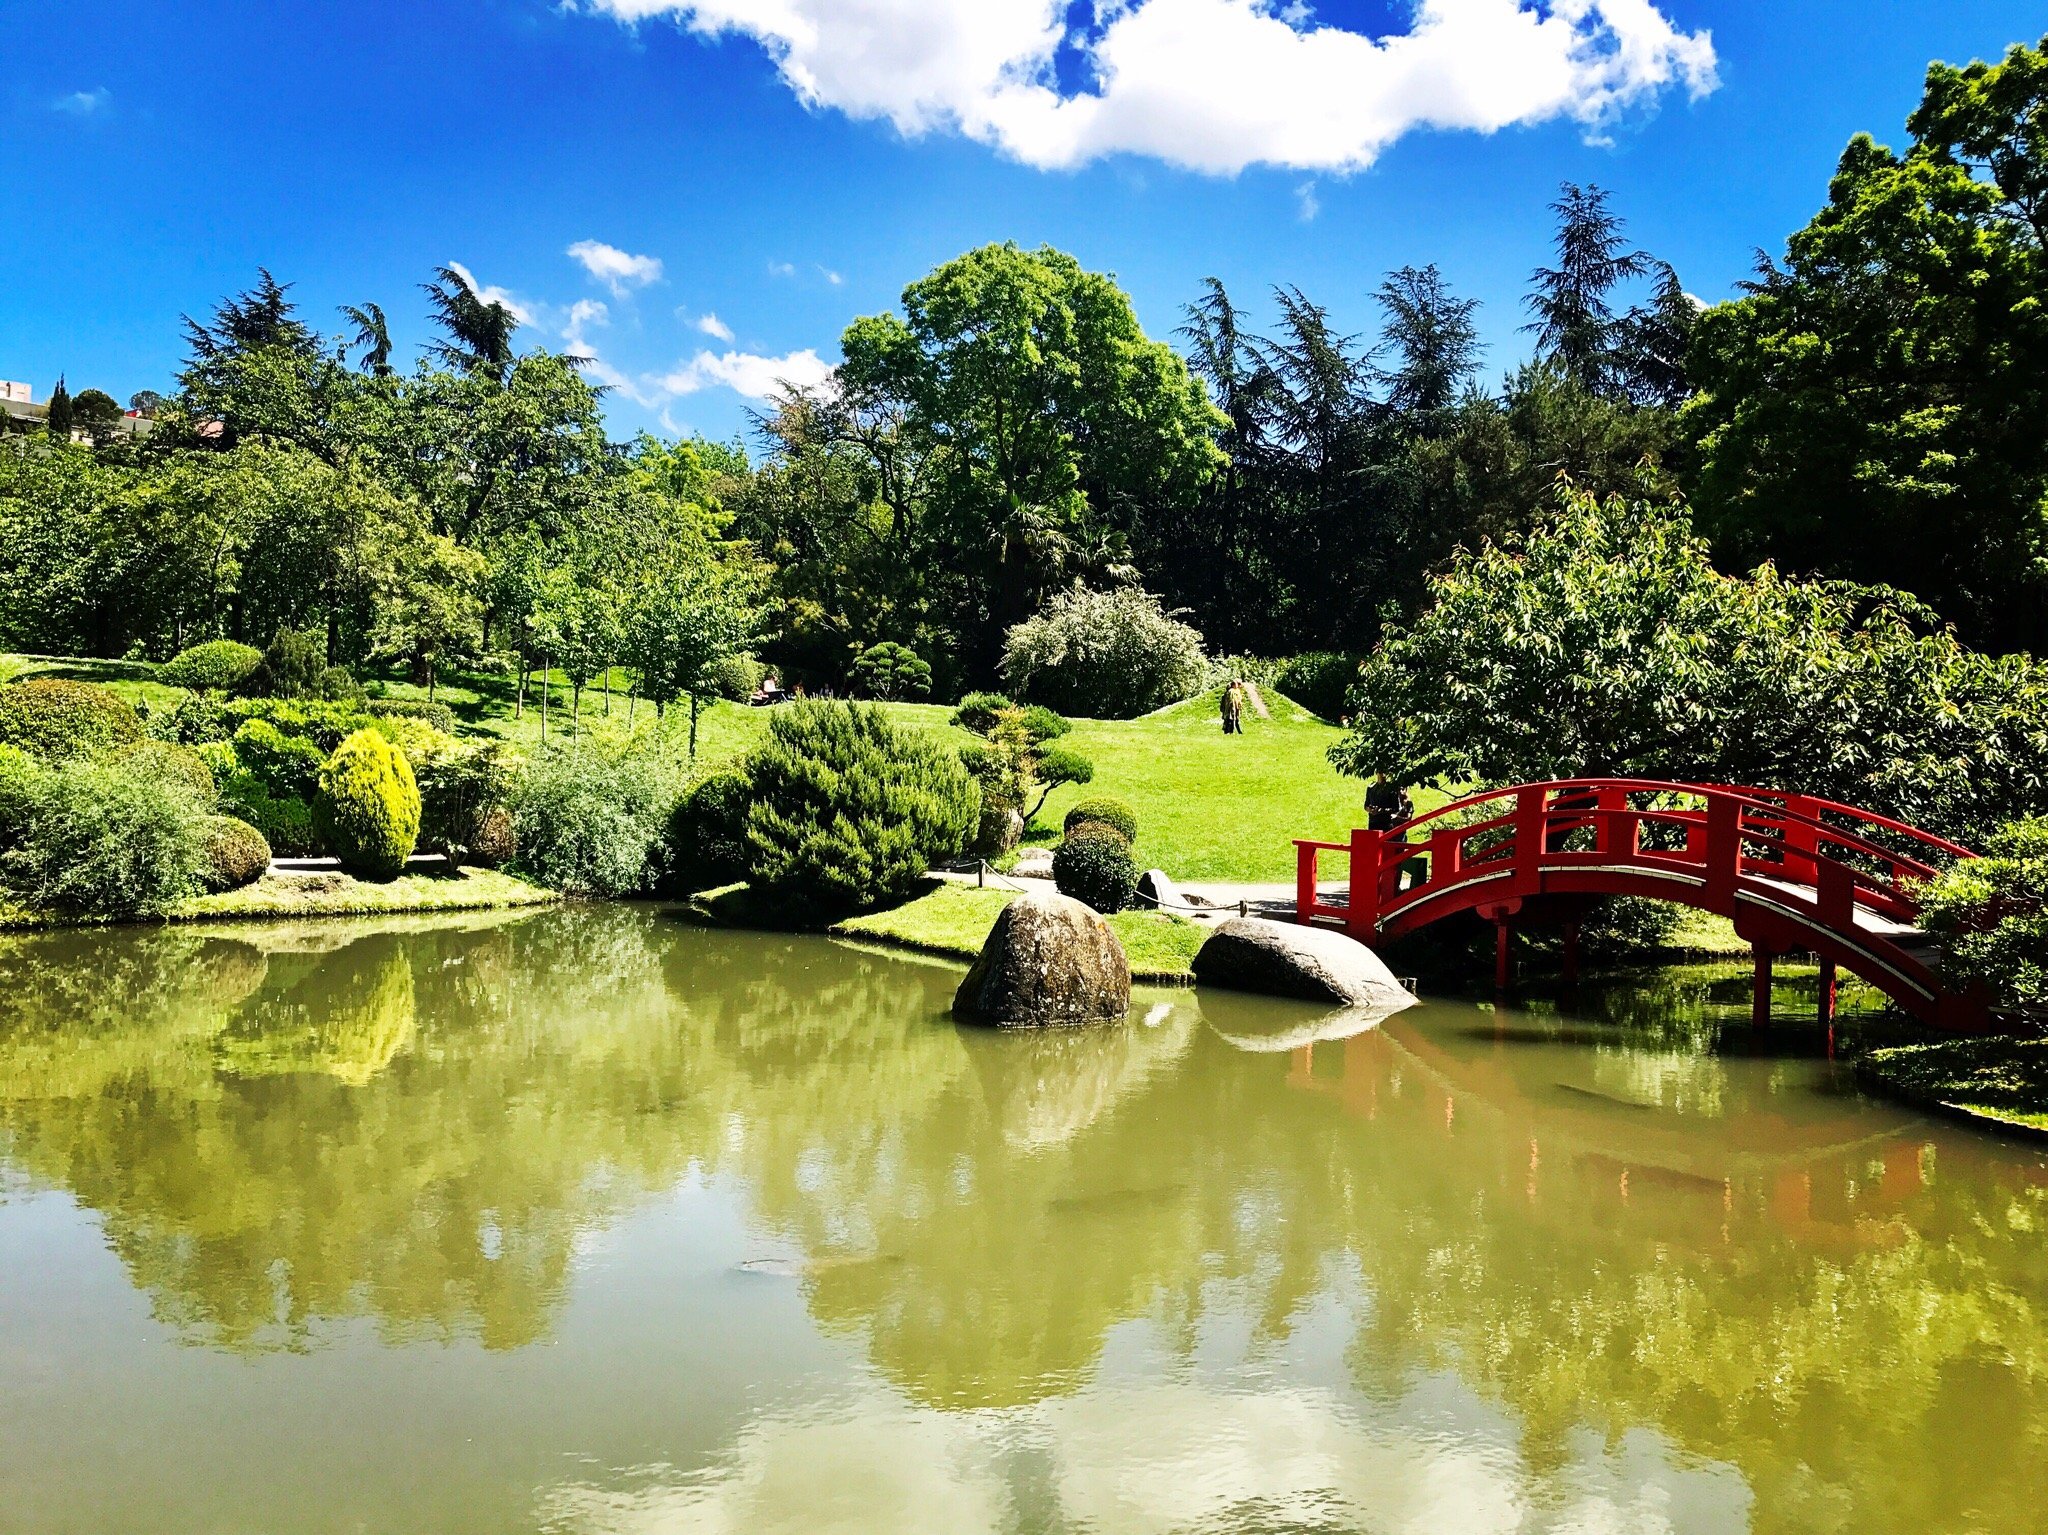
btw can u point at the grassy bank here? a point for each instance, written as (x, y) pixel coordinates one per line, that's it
(1998, 1081)
(278, 896)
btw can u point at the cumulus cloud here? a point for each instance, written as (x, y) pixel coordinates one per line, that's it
(491, 293)
(1215, 85)
(84, 103)
(747, 373)
(714, 327)
(618, 270)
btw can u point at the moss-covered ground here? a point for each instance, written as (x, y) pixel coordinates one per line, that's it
(2000, 1080)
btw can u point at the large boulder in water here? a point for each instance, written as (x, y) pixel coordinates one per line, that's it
(1286, 959)
(1049, 961)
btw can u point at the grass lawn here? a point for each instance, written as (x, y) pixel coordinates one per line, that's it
(2000, 1080)
(954, 920)
(333, 895)
(1212, 806)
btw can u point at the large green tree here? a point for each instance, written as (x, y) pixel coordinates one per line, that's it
(1605, 643)
(1055, 421)
(1873, 408)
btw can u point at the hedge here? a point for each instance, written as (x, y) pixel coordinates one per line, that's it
(1094, 865)
(59, 720)
(1104, 810)
(216, 666)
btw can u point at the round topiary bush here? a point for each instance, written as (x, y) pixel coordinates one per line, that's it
(850, 809)
(736, 677)
(368, 811)
(1103, 810)
(59, 720)
(166, 759)
(708, 832)
(337, 684)
(217, 666)
(1095, 867)
(236, 854)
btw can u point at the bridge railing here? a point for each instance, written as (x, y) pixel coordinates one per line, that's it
(1717, 835)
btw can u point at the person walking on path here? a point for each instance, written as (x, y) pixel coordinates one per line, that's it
(1233, 709)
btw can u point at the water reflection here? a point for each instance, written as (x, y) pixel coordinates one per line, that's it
(1236, 1265)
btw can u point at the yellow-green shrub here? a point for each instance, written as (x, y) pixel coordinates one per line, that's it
(59, 720)
(368, 811)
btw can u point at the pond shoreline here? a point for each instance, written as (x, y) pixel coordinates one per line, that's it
(293, 897)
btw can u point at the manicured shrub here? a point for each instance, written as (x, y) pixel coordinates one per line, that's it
(197, 720)
(436, 714)
(95, 839)
(1041, 724)
(1109, 655)
(978, 711)
(165, 759)
(1320, 681)
(850, 809)
(1061, 765)
(419, 740)
(891, 671)
(1103, 810)
(736, 677)
(216, 666)
(337, 684)
(287, 765)
(1990, 916)
(1094, 866)
(368, 810)
(291, 666)
(59, 720)
(708, 832)
(286, 821)
(325, 724)
(589, 819)
(236, 854)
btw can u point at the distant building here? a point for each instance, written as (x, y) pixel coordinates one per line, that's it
(19, 412)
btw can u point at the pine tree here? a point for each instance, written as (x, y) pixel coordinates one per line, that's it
(58, 420)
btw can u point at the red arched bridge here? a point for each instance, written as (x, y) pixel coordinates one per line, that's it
(1795, 874)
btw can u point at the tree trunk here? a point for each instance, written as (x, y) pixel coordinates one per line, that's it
(519, 703)
(693, 729)
(607, 692)
(546, 680)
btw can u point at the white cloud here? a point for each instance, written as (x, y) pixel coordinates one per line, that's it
(490, 293)
(1308, 203)
(1215, 85)
(782, 269)
(747, 373)
(830, 276)
(616, 269)
(84, 103)
(714, 327)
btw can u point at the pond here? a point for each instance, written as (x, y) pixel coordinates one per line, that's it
(593, 1221)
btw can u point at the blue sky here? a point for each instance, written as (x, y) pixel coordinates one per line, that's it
(789, 164)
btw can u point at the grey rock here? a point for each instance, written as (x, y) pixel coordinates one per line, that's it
(1001, 829)
(1285, 959)
(1156, 888)
(1048, 962)
(1033, 863)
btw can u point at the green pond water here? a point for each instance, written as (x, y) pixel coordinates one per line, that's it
(592, 1221)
